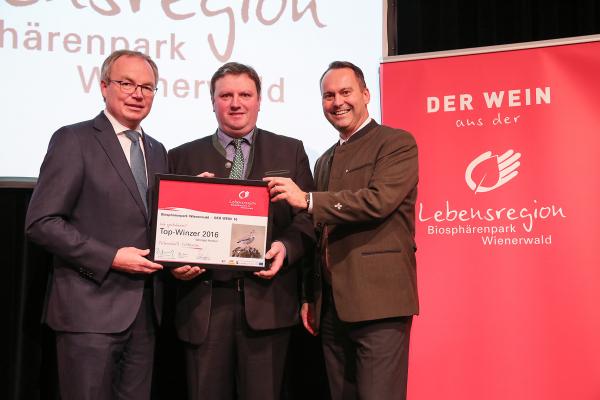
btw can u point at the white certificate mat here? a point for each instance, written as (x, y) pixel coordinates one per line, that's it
(212, 222)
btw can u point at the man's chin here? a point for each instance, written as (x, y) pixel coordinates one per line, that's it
(236, 132)
(136, 117)
(340, 127)
(132, 122)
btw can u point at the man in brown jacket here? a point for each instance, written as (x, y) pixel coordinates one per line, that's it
(363, 290)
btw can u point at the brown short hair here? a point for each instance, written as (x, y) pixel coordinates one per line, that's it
(346, 64)
(234, 68)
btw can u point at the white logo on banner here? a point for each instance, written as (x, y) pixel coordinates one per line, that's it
(506, 163)
(244, 194)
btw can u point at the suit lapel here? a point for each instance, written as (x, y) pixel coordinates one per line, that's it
(155, 164)
(105, 134)
(255, 158)
(323, 170)
(152, 161)
(322, 173)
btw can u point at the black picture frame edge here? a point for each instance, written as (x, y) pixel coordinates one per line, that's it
(190, 178)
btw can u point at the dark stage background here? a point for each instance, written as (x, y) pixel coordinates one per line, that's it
(418, 26)
(27, 359)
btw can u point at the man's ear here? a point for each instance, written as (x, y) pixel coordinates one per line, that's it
(103, 89)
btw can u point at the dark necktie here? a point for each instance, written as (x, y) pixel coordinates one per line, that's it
(136, 158)
(237, 169)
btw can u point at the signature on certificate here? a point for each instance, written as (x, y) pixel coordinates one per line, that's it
(165, 253)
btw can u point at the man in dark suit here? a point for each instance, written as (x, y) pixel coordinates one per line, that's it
(90, 210)
(364, 284)
(236, 326)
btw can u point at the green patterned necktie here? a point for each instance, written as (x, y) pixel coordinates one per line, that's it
(237, 169)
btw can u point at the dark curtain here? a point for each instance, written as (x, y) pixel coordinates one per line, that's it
(28, 368)
(436, 25)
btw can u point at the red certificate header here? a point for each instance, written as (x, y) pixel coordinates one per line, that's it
(215, 198)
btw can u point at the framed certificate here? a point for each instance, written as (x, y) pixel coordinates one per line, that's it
(211, 222)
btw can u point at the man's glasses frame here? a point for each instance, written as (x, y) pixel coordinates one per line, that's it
(130, 87)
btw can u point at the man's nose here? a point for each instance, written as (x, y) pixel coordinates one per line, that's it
(137, 92)
(235, 102)
(338, 100)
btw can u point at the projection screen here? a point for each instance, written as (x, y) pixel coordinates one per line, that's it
(50, 54)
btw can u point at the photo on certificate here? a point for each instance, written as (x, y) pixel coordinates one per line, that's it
(244, 239)
(211, 222)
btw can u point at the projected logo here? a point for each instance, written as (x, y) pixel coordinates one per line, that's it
(488, 172)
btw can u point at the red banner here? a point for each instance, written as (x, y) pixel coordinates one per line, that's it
(508, 221)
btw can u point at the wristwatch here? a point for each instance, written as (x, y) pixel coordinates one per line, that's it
(307, 198)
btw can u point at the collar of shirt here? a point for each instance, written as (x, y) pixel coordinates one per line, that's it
(124, 140)
(342, 141)
(225, 139)
(119, 127)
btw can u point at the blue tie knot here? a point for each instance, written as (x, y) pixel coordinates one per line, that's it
(132, 135)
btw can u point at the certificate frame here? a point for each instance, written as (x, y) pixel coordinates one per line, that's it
(214, 223)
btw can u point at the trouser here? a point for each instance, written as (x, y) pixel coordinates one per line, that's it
(107, 366)
(365, 360)
(235, 361)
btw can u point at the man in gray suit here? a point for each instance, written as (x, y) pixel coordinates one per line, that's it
(90, 210)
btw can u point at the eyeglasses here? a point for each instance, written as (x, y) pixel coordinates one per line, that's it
(130, 87)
